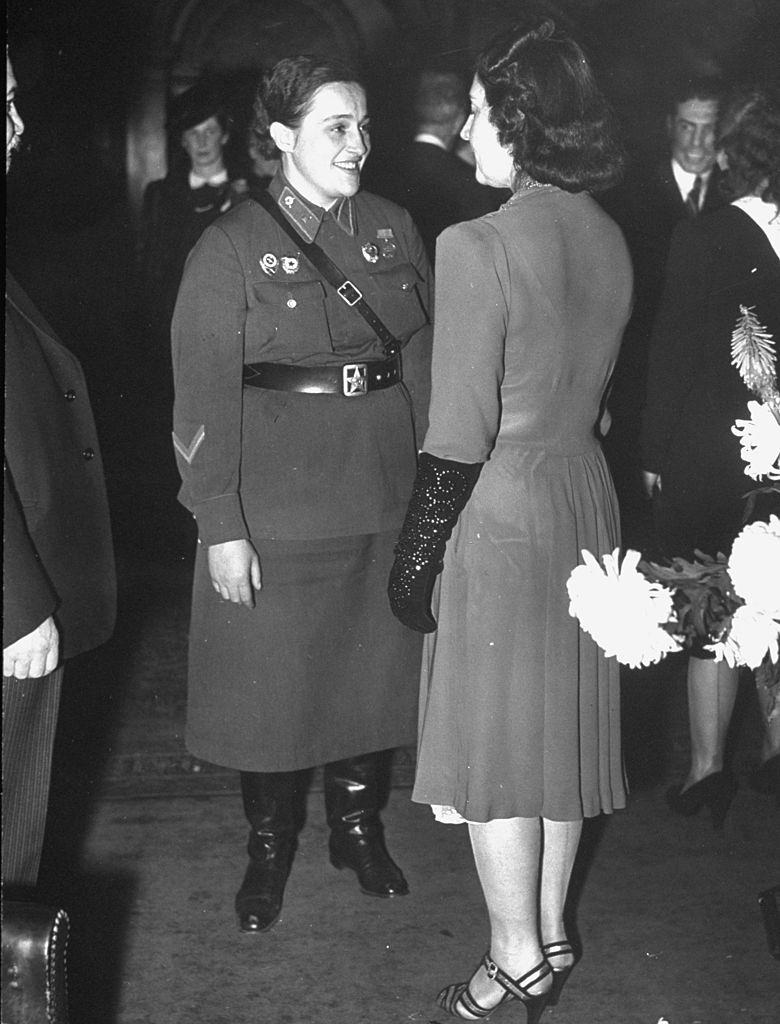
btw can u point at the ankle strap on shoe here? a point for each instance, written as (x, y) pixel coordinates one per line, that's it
(517, 987)
(557, 949)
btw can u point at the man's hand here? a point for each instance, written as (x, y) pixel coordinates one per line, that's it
(651, 482)
(235, 571)
(34, 655)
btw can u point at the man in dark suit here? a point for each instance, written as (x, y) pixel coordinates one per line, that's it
(437, 187)
(647, 206)
(59, 585)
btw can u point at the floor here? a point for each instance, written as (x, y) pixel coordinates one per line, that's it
(146, 847)
(665, 909)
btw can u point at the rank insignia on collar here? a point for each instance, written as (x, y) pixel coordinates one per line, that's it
(370, 252)
(269, 264)
(290, 264)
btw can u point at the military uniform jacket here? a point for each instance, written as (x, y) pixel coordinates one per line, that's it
(58, 557)
(280, 464)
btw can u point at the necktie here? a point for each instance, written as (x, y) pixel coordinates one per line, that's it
(692, 202)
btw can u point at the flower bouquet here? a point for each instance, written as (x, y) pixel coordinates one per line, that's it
(640, 611)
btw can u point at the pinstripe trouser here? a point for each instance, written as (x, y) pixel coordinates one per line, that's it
(29, 722)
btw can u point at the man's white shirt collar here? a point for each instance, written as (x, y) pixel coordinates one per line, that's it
(685, 181)
(432, 140)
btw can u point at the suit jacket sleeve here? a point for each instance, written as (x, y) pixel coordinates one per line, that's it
(28, 596)
(468, 348)
(675, 344)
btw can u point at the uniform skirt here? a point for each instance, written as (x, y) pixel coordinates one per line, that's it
(317, 671)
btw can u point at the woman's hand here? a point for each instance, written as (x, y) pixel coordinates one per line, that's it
(235, 571)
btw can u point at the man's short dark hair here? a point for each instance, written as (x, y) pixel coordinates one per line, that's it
(698, 87)
(439, 98)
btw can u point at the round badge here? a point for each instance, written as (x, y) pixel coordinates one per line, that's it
(290, 264)
(269, 263)
(370, 252)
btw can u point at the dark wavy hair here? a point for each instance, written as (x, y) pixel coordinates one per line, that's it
(749, 134)
(548, 109)
(285, 93)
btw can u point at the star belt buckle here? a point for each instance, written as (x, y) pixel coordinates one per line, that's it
(354, 379)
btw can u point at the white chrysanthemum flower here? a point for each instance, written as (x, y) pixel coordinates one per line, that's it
(621, 610)
(754, 566)
(752, 636)
(760, 442)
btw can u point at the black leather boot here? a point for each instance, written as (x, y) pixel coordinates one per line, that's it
(273, 804)
(352, 801)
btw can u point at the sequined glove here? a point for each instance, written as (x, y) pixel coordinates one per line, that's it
(441, 489)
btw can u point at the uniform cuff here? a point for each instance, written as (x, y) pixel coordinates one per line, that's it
(221, 519)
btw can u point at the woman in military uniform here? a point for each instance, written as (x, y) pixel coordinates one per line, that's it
(295, 431)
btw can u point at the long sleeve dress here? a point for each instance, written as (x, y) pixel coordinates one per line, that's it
(519, 709)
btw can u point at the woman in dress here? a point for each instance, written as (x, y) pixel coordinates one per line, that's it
(294, 430)
(717, 265)
(519, 731)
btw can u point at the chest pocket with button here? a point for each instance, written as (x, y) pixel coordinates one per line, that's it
(286, 320)
(396, 300)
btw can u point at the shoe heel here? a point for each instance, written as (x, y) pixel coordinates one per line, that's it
(559, 980)
(720, 803)
(535, 1007)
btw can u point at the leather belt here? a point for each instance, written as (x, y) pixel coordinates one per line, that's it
(347, 379)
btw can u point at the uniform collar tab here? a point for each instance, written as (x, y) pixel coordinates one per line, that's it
(306, 216)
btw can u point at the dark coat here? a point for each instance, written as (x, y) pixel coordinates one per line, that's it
(647, 206)
(716, 264)
(173, 218)
(439, 189)
(58, 552)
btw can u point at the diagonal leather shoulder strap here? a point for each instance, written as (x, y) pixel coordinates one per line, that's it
(346, 290)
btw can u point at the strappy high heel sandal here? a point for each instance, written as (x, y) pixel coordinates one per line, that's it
(552, 950)
(457, 997)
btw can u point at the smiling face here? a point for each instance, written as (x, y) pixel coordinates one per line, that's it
(14, 126)
(322, 158)
(692, 134)
(494, 163)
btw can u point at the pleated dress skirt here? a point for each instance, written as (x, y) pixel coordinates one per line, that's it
(317, 671)
(519, 709)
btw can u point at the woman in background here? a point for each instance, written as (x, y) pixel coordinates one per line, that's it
(519, 732)
(197, 189)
